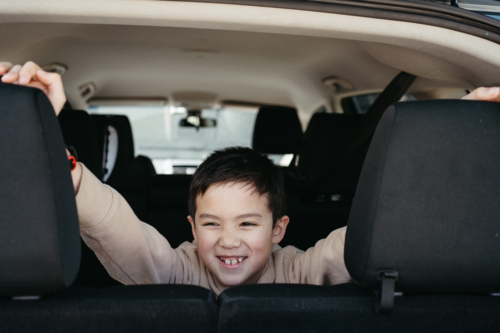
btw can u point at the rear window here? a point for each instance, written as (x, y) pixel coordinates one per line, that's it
(179, 150)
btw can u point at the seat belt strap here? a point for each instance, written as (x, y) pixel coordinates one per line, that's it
(391, 94)
(385, 299)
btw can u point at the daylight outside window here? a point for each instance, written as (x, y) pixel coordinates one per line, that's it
(176, 149)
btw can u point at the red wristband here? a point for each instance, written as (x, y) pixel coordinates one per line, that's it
(72, 162)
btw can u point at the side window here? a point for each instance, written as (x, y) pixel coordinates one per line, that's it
(361, 103)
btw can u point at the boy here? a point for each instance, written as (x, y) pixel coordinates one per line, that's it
(236, 208)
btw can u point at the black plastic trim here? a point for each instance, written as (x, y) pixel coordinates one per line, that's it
(423, 12)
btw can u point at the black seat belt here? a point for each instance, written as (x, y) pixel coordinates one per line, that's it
(391, 94)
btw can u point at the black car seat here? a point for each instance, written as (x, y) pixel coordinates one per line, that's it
(422, 239)
(80, 133)
(168, 207)
(39, 236)
(128, 174)
(425, 215)
(40, 246)
(322, 197)
(325, 139)
(277, 130)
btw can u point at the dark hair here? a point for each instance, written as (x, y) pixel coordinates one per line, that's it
(240, 165)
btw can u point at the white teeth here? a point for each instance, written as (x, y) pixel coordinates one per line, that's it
(231, 262)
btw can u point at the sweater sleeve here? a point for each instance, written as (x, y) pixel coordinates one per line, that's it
(132, 252)
(322, 264)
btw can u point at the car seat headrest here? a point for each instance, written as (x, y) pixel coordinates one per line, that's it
(117, 141)
(427, 206)
(78, 132)
(39, 233)
(325, 139)
(277, 130)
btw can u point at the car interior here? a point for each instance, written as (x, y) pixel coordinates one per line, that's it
(359, 104)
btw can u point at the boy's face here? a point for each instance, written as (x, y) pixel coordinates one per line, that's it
(234, 231)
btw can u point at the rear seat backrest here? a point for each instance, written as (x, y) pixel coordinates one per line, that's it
(290, 308)
(39, 242)
(39, 235)
(427, 208)
(427, 205)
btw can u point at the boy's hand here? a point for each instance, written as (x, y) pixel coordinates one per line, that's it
(31, 75)
(485, 94)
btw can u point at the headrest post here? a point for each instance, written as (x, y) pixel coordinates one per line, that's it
(385, 299)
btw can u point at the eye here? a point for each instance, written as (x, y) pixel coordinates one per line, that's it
(247, 224)
(210, 224)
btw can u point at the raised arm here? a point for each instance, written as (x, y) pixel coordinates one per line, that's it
(31, 75)
(132, 251)
(322, 264)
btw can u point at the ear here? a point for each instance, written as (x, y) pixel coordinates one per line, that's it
(280, 229)
(193, 228)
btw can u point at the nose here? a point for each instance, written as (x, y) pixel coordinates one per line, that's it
(229, 239)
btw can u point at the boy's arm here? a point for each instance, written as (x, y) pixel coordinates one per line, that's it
(132, 251)
(322, 264)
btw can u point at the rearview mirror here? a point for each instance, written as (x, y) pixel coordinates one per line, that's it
(194, 119)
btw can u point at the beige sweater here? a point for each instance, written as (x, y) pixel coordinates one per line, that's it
(133, 252)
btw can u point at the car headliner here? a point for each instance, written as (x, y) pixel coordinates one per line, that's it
(149, 49)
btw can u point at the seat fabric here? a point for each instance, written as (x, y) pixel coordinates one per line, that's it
(350, 308)
(168, 207)
(39, 236)
(153, 308)
(427, 201)
(295, 308)
(79, 131)
(319, 200)
(311, 221)
(325, 139)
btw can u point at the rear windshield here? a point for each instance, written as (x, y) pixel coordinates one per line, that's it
(175, 149)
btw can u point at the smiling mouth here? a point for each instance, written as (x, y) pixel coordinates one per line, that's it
(233, 261)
